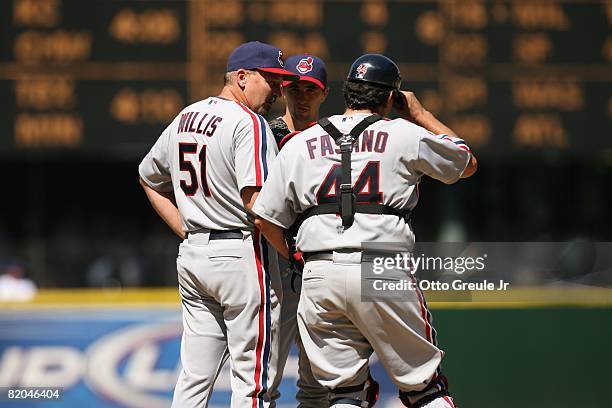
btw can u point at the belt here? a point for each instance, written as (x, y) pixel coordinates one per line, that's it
(329, 255)
(318, 256)
(222, 234)
(228, 234)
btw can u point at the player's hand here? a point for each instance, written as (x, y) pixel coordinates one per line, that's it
(408, 106)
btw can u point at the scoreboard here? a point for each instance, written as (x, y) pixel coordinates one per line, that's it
(104, 77)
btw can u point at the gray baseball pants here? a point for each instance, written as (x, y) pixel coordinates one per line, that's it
(230, 292)
(340, 331)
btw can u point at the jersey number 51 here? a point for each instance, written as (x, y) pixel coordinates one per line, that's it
(186, 165)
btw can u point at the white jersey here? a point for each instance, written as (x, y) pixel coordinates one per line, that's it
(388, 160)
(207, 155)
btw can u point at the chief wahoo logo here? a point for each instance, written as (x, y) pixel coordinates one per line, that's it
(361, 71)
(305, 65)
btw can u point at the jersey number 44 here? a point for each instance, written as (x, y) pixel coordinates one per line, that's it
(366, 188)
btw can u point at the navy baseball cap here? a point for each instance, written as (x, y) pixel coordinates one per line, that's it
(259, 56)
(309, 68)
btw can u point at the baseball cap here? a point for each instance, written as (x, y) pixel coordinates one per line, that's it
(260, 56)
(309, 67)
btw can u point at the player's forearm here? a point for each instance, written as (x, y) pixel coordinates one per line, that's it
(249, 196)
(165, 207)
(428, 121)
(274, 234)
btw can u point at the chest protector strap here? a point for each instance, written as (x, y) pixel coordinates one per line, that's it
(346, 206)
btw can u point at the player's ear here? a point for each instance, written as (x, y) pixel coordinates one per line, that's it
(241, 76)
(325, 93)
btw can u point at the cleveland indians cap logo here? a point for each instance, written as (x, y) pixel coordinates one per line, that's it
(305, 65)
(361, 71)
(280, 58)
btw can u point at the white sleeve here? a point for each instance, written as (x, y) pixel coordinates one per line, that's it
(276, 200)
(155, 167)
(442, 157)
(254, 151)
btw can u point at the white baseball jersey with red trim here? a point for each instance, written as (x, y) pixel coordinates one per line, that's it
(229, 283)
(338, 329)
(387, 163)
(207, 155)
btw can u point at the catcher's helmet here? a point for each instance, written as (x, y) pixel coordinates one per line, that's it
(377, 69)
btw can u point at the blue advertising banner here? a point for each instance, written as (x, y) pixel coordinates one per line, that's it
(112, 357)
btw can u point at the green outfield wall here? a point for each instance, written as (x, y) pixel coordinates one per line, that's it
(528, 357)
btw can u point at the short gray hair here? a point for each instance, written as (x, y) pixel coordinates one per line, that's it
(231, 76)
